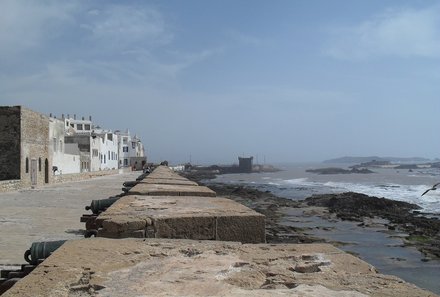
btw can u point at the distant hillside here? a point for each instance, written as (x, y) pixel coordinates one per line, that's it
(355, 160)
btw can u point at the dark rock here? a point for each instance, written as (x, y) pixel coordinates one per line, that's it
(334, 170)
(424, 231)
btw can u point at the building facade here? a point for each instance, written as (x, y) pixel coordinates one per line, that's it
(131, 151)
(64, 159)
(24, 145)
(35, 147)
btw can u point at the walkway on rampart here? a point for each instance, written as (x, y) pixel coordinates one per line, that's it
(50, 212)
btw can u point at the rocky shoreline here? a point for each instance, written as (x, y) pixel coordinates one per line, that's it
(420, 231)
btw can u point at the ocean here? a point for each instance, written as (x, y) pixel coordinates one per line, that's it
(294, 182)
(375, 245)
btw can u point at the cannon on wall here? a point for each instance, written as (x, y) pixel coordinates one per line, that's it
(36, 254)
(41, 250)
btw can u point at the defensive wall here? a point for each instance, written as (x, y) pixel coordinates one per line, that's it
(17, 184)
(196, 246)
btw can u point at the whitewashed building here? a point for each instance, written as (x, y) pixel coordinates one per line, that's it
(80, 146)
(108, 148)
(131, 151)
(64, 159)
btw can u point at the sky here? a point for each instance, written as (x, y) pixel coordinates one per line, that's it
(211, 80)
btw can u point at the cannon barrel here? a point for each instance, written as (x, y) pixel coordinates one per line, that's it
(130, 184)
(142, 176)
(98, 206)
(41, 250)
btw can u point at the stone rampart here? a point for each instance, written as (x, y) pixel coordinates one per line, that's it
(152, 267)
(189, 217)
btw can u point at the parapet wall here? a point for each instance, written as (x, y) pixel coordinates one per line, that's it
(10, 185)
(16, 184)
(82, 176)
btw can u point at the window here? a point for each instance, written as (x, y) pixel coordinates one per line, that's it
(125, 149)
(27, 165)
(110, 136)
(87, 127)
(124, 140)
(67, 124)
(61, 145)
(125, 162)
(72, 125)
(104, 159)
(109, 155)
(39, 164)
(79, 126)
(133, 145)
(54, 144)
(95, 153)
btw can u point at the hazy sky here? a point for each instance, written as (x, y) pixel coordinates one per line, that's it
(291, 80)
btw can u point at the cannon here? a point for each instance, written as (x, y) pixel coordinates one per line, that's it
(143, 175)
(41, 250)
(130, 184)
(98, 206)
(36, 254)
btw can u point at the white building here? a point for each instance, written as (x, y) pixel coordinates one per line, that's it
(131, 151)
(77, 145)
(79, 131)
(64, 159)
(108, 148)
(74, 126)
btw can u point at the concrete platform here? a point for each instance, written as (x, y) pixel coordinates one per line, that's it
(167, 181)
(190, 217)
(165, 172)
(151, 267)
(171, 190)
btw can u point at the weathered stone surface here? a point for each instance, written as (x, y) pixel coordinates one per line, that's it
(249, 228)
(24, 135)
(171, 190)
(190, 217)
(152, 267)
(167, 181)
(194, 227)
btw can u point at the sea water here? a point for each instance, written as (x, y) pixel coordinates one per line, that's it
(375, 246)
(397, 184)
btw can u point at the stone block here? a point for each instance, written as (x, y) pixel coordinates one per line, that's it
(242, 228)
(197, 227)
(171, 190)
(191, 217)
